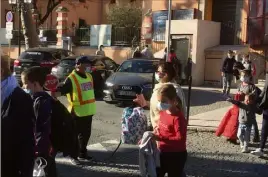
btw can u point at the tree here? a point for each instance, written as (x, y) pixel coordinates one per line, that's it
(125, 16)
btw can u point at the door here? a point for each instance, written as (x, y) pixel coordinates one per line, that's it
(182, 47)
(224, 11)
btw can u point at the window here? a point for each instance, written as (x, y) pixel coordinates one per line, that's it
(109, 63)
(32, 56)
(69, 62)
(98, 64)
(137, 66)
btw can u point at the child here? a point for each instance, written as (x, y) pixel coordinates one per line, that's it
(33, 80)
(247, 87)
(247, 110)
(171, 133)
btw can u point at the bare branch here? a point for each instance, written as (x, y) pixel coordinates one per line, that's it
(51, 5)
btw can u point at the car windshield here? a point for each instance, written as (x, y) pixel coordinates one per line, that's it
(32, 55)
(137, 66)
(67, 62)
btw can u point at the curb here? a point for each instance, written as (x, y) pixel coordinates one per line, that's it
(201, 129)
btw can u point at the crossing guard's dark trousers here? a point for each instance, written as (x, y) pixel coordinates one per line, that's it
(83, 128)
(264, 130)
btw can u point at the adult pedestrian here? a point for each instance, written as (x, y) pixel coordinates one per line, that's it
(238, 67)
(146, 52)
(248, 65)
(17, 127)
(264, 131)
(100, 51)
(165, 74)
(165, 54)
(137, 53)
(227, 72)
(80, 93)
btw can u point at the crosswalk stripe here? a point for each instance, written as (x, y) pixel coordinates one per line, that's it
(111, 141)
(96, 147)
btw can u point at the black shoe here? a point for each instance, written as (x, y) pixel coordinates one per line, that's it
(75, 161)
(85, 157)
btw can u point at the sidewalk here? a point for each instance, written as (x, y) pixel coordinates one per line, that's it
(211, 119)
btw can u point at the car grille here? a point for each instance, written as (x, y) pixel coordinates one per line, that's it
(126, 91)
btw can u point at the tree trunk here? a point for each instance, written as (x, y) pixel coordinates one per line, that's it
(28, 26)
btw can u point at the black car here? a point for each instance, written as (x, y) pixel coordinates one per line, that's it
(134, 76)
(43, 57)
(102, 67)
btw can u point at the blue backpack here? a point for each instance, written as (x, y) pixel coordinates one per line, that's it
(134, 124)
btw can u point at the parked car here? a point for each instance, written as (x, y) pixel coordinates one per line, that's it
(134, 76)
(44, 57)
(102, 67)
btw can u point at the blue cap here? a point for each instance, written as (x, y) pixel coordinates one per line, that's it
(82, 60)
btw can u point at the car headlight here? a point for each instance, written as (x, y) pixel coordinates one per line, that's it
(109, 84)
(148, 86)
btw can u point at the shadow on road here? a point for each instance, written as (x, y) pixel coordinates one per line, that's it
(202, 165)
(203, 97)
(125, 163)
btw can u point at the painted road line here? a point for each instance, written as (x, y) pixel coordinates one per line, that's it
(111, 142)
(92, 147)
(96, 147)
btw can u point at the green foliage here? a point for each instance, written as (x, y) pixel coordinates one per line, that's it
(127, 16)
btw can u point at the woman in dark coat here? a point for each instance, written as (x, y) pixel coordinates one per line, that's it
(17, 127)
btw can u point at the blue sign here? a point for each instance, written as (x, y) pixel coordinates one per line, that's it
(9, 16)
(159, 25)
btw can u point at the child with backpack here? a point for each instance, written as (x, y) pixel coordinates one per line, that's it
(171, 133)
(33, 81)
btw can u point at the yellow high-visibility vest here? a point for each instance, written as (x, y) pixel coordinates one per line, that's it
(82, 101)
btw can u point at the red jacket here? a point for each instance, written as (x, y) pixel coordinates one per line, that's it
(171, 56)
(172, 132)
(229, 124)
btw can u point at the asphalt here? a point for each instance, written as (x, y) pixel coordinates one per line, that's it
(209, 155)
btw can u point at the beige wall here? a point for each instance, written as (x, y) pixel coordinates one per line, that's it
(214, 59)
(205, 34)
(118, 54)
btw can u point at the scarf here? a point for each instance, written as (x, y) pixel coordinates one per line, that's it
(7, 87)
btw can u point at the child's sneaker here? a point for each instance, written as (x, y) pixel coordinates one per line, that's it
(245, 149)
(258, 152)
(241, 146)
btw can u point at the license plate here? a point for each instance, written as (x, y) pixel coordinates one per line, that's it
(126, 93)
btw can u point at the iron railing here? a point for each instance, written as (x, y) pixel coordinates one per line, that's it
(126, 36)
(121, 36)
(82, 36)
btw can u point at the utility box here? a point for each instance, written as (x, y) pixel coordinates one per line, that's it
(67, 43)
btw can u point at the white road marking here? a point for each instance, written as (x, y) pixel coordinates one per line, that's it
(96, 147)
(111, 142)
(92, 147)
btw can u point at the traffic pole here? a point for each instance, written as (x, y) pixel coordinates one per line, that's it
(169, 28)
(19, 36)
(9, 48)
(189, 88)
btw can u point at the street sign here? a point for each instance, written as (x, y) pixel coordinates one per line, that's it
(9, 26)
(51, 83)
(9, 36)
(9, 16)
